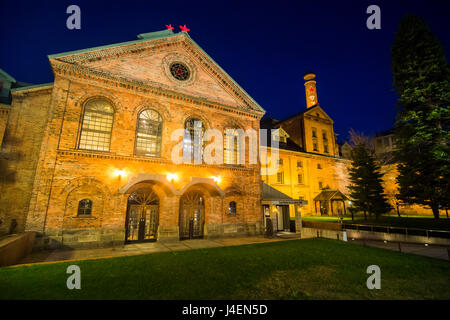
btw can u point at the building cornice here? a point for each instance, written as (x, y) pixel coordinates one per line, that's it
(109, 155)
(307, 154)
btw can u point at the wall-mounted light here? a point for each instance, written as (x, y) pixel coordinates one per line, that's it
(120, 173)
(172, 177)
(216, 179)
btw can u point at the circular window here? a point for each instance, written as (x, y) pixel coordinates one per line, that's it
(179, 71)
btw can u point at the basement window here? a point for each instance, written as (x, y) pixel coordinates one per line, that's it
(85, 208)
(232, 208)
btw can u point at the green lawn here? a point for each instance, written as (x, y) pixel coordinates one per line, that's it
(420, 222)
(295, 269)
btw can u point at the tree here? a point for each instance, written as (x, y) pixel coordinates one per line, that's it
(421, 77)
(366, 183)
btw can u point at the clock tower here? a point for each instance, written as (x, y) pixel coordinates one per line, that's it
(310, 90)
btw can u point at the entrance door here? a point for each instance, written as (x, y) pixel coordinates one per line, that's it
(283, 218)
(142, 216)
(192, 212)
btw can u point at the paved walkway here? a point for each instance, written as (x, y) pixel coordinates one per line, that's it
(433, 251)
(139, 248)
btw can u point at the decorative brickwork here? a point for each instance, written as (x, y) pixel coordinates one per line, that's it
(53, 175)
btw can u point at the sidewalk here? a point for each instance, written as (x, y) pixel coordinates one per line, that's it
(432, 251)
(139, 248)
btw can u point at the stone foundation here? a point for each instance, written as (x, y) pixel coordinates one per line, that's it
(233, 230)
(77, 239)
(96, 238)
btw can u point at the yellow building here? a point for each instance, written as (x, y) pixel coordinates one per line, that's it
(309, 162)
(384, 147)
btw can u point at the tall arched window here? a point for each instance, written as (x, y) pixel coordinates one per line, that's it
(232, 147)
(97, 125)
(148, 133)
(193, 140)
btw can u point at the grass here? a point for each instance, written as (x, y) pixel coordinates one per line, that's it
(420, 222)
(295, 269)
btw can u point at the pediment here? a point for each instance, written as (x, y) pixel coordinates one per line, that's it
(318, 113)
(149, 61)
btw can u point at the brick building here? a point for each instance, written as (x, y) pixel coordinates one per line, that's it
(89, 155)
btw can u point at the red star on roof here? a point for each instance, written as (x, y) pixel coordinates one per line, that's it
(311, 89)
(169, 26)
(184, 28)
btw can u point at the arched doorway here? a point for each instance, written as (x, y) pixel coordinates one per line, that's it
(142, 216)
(192, 215)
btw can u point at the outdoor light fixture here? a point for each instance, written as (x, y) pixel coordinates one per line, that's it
(120, 173)
(172, 177)
(216, 179)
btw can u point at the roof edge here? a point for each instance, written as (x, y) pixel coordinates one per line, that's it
(36, 86)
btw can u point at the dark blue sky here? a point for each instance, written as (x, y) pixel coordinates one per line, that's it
(266, 46)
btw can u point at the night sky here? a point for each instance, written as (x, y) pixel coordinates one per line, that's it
(266, 46)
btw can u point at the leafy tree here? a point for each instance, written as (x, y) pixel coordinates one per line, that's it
(366, 188)
(421, 76)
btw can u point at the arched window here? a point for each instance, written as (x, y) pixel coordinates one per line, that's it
(232, 208)
(193, 140)
(97, 125)
(85, 207)
(232, 147)
(148, 133)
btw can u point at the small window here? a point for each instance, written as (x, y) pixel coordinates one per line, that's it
(85, 207)
(299, 164)
(280, 162)
(280, 177)
(325, 147)
(314, 132)
(386, 142)
(319, 166)
(179, 71)
(315, 146)
(324, 135)
(300, 179)
(232, 208)
(320, 185)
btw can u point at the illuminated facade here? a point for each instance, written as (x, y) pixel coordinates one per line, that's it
(94, 148)
(309, 160)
